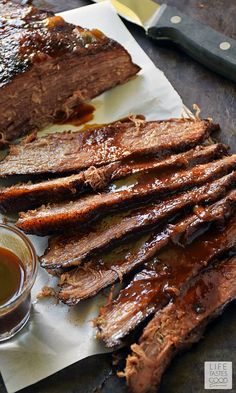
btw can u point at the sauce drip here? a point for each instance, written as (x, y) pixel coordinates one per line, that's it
(26, 2)
(54, 21)
(164, 277)
(82, 114)
(12, 275)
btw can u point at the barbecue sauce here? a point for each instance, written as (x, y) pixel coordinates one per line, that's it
(82, 114)
(12, 276)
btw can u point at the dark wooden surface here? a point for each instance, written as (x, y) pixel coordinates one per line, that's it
(217, 98)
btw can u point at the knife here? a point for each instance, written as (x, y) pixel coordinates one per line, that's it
(163, 22)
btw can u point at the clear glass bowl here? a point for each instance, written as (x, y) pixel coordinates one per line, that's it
(15, 313)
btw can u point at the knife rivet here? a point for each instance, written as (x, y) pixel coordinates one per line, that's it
(225, 45)
(175, 19)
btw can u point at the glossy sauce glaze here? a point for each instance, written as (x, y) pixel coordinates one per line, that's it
(162, 279)
(103, 270)
(176, 264)
(169, 180)
(180, 324)
(38, 34)
(95, 147)
(141, 189)
(82, 114)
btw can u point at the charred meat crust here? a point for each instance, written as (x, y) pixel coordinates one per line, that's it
(95, 147)
(41, 34)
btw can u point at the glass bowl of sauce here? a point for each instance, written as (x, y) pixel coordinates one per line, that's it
(18, 268)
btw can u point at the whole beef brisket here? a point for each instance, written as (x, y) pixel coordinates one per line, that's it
(73, 151)
(179, 325)
(49, 66)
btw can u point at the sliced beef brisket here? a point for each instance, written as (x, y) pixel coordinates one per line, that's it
(50, 67)
(179, 325)
(72, 249)
(101, 271)
(73, 151)
(46, 220)
(27, 195)
(164, 277)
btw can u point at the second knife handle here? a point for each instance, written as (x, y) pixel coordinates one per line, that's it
(204, 44)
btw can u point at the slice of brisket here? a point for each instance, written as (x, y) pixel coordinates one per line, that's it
(143, 188)
(179, 325)
(101, 271)
(27, 196)
(49, 67)
(163, 278)
(73, 151)
(71, 249)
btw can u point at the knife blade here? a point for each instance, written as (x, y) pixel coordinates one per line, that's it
(214, 50)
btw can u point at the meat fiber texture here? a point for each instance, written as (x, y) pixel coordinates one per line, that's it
(44, 338)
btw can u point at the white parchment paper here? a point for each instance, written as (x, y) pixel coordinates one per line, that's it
(56, 335)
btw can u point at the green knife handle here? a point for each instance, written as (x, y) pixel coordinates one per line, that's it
(212, 49)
